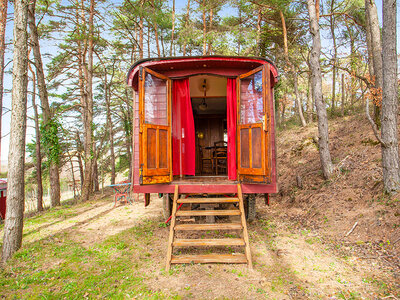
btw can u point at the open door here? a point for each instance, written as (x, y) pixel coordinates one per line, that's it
(155, 127)
(253, 128)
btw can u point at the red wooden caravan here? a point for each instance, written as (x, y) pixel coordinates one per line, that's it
(205, 124)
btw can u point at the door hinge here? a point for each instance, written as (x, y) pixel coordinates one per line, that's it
(141, 174)
(141, 73)
(265, 122)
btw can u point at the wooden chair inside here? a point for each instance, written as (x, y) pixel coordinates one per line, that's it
(206, 161)
(220, 156)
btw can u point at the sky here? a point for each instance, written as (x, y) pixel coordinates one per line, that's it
(180, 8)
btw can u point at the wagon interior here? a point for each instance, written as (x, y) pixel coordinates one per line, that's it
(208, 99)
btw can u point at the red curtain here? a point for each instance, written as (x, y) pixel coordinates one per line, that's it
(183, 133)
(231, 127)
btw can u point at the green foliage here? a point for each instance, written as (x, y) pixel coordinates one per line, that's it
(50, 140)
(122, 163)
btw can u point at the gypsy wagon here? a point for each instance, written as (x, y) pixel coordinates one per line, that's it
(204, 128)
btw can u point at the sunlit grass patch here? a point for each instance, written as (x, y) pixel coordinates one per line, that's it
(59, 267)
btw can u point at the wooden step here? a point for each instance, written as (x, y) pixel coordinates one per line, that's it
(209, 200)
(218, 226)
(233, 212)
(208, 242)
(209, 258)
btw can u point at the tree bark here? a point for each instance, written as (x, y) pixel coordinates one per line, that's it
(293, 70)
(54, 178)
(39, 193)
(81, 171)
(277, 113)
(187, 25)
(88, 111)
(172, 48)
(157, 40)
(72, 175)
(332, 28)
(129, 120)
(204, 29)
(259, 19)
(141, 37)
(310, 106)
(110, 127)
(323, 132)
(390, 149)
(3, 23)
(96, 185)
(298, 100)
(148, 42)
(16, 159)
(376, 45)
(211, 15)
(353, 68)
(343, 95)
(369, 43)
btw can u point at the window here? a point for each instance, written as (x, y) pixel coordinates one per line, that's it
(251, 99)
(155, 100)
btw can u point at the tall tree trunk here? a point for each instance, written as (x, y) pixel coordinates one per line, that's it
(187, 25)
(157, 40)
(162, 42)
(96, 186)
(369, 44)
(298, 100)
(173, 30)
(204, 29)
(353, 68)
(54, 177)
(211, 14)
(148, 42)
(343, 95)
(39, 194)
(310, 106)
(14, 223)
(155, 27)
(323, 132)
(3, 22)
(81, 170)
(72, 175)
(277, 112)
(390, 104)
(259, 19)
(88, 112)
(293, 70)
(376, 45)
(110, 127)
(141, 32)
(129, 119)
(332, 28)
(283, 112)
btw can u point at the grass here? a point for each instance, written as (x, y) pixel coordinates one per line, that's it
(129, 265)
(58, 267)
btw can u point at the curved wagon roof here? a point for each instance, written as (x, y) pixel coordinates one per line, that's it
(178, 67)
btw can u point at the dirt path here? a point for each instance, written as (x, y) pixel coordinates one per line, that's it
(91, 222)
(288, 263)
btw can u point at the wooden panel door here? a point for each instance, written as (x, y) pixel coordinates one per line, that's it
(253, 126)
(155, 127)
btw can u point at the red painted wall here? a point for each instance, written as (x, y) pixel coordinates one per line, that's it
(3, 204)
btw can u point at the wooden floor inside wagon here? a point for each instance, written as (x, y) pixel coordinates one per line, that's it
(203, 180)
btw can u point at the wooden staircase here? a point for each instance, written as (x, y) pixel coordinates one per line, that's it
(175, 228)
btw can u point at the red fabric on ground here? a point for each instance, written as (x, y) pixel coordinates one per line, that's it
(231, 127)
(182, 129)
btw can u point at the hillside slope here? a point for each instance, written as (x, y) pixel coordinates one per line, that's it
(352, 197)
